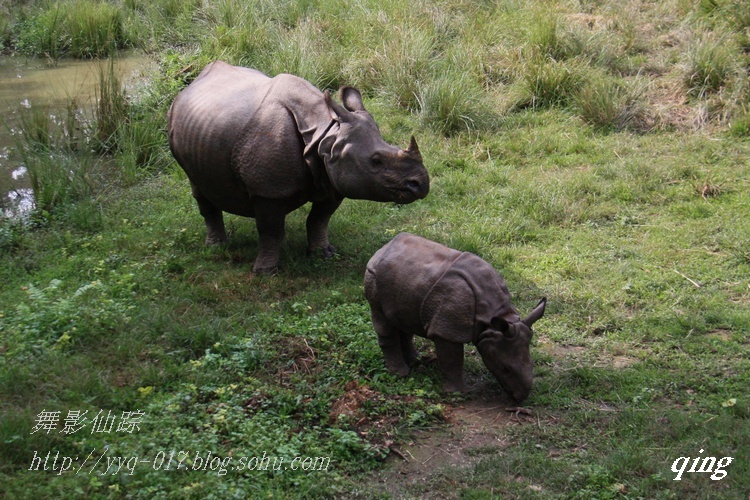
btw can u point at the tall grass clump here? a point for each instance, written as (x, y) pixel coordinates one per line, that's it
(142, 149)
(710, 65)
(61, 151)
(546, 82)
(59, 179)
(111, 110)
(398, 62)
(612, 103)
(302, 51)
(453, 102)
(153, 25)
(546, 38)
(81, 28)
(95, 29)
(58, 174)
(739, 14)
(42, 33)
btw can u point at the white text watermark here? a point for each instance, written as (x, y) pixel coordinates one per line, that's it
(709, 464)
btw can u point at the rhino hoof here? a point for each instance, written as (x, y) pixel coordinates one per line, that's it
(267, 271)
(455, 387)
(213, 241)
(401, 371)
(327, 252)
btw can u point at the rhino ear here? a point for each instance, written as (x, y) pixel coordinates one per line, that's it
(537, 313)
(351, 98)
(337, 111)
(499, 324)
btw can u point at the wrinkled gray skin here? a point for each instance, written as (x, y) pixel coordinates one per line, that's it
(418, 287)
(262, 147)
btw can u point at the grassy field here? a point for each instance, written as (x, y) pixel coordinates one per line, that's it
(595, 152)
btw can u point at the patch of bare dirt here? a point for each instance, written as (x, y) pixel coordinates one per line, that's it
(476, 428)
(721, 334)
(620, 362)
(351, 408)
(600, 359)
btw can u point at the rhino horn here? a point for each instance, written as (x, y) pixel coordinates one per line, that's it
(338, 112)
(413, 149)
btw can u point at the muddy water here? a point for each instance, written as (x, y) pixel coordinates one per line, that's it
(26, 82)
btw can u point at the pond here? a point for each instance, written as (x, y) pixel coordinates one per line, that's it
(27, 82)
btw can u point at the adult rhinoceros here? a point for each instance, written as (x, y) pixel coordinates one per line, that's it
(262, 147)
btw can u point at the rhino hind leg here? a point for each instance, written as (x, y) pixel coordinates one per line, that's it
(317, 227)
(450, 356)
(213, 217)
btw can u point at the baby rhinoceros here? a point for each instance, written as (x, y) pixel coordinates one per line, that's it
(419, 287)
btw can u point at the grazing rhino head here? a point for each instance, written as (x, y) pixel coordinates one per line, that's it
(505, 351)
(361, 165)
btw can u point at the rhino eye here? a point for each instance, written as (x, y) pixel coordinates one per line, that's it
(376, 160)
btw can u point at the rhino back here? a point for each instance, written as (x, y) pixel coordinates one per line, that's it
(232, 133)
(403, 272)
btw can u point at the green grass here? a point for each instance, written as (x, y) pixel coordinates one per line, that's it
(79, 28)
(565, 148)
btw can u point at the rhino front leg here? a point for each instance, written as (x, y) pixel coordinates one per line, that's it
(317, 226)
(269, 220)
(213, 217)
(389, 340)
(450, 356)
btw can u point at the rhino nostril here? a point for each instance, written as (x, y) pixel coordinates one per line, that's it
(416, 188)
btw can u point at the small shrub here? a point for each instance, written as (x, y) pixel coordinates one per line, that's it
(10, 235)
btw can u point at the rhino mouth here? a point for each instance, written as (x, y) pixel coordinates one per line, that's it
(485, 335)
(412, 190)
